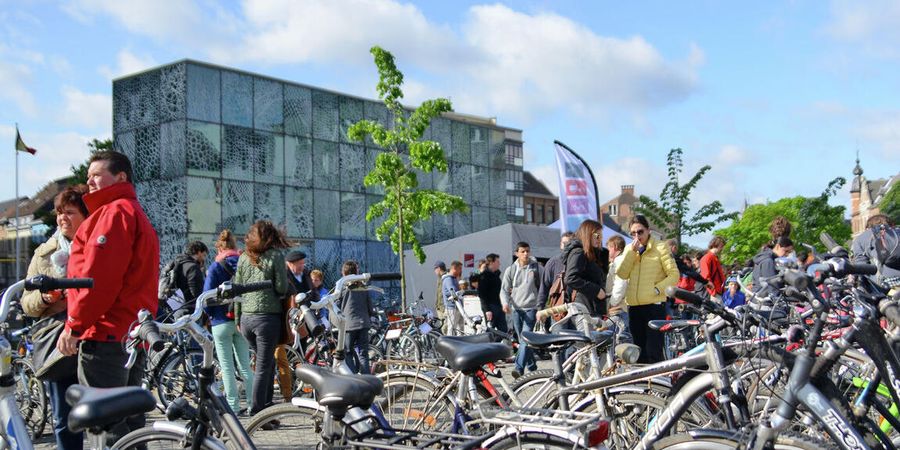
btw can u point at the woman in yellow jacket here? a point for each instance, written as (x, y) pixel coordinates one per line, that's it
(649, 268)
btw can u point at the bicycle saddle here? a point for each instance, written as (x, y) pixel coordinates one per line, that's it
(338, 392)
(601, 338)
(672, 325)
(542, 340)
(468, 357)
(483, 338)
(105, 407)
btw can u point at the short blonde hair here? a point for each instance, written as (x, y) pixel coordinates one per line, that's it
(316, 273)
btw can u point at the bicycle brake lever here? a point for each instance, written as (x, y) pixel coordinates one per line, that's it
(132, 355)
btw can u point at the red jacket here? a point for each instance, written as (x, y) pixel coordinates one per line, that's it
(116, 246)
(711, 269)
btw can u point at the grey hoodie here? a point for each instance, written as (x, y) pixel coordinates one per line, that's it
(520, 285)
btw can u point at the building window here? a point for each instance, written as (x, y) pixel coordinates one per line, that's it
(613, 210)
(539, 215)
(529, 213)
(551, 214)
(513, 180)
(514, 154)
(514, 205)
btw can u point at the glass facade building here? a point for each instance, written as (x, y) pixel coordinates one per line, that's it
(216, 148)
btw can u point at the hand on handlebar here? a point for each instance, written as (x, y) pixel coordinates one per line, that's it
(489, 315)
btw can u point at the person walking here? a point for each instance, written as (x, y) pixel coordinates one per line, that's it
(649, 268)
(51, 258)
(519, 296)
(356, 305)
(489, 285)
(711, 269)
(261, 314)
(449, 286)
(231, 346)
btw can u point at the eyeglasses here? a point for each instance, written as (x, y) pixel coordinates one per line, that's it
(638, 232)
(597, 235)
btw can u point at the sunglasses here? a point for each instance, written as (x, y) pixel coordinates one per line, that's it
(638, 232)
(597, 235)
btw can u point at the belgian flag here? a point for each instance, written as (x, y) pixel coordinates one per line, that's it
(20, 144)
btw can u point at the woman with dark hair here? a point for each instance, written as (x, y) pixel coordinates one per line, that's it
(585, 277)
(764, 262)
(51, 258)
(649, 268)
(260, 314)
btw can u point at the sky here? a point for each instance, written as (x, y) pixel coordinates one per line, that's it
(777, 97)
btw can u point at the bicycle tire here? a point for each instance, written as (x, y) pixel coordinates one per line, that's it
(174, 379)
(151, 438)
(527, 386)
(404, 348)
(412, 402)
(285, 426)
(534, 441)
(720, 440)
(31, 398)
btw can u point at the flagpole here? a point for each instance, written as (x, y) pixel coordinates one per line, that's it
(591, 172)
(17, 210)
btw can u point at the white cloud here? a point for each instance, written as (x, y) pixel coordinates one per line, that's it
(56, 152)
(90, 110)
(548, 175)
(732, 155)
(883, 131)
(14, 78)
(127, 63)
(872, 25)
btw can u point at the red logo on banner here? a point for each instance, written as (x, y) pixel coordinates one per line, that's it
(576, 187)
(468, 260)
(577, 206)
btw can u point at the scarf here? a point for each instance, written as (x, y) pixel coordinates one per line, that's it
(60, 258)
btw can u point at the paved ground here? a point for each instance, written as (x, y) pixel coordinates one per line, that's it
(47, 442)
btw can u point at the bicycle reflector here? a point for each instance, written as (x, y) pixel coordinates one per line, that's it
(599, 434)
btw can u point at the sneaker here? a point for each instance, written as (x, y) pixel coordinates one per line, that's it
(516, 374)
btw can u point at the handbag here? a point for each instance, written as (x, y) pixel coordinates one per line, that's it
(49, 363)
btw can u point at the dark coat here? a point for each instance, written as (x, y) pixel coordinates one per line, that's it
(489, 285)
(302, 286)
(189, 277)
(584, 277)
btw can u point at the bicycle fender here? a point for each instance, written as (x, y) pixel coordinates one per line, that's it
(577, 439)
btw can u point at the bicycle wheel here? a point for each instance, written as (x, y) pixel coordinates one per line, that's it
(31, 398)
(723, 440)
(537, 389)
(152, 438)
(414, 402)
(286, 426)
(534, 441)
(404, 348)
(177, 376)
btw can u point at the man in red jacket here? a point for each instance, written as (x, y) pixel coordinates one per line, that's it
(711, 269)
(117, 247)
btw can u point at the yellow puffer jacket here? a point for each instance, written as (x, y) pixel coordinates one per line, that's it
(649, 274)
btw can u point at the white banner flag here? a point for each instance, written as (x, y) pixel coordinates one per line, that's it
(577, 192)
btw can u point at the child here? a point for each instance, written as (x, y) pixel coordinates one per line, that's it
(615, 286)
(733, 297)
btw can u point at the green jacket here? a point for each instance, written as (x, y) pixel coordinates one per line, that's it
(270, 267)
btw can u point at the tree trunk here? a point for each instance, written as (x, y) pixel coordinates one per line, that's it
(402, 263)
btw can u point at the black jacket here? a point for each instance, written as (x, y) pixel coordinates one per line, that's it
(763, 267)
(489, 285)
(584, 277)
(189, 276)
(687, 270)
(302, 286)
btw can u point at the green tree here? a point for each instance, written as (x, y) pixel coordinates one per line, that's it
(890, 204)
(80, 171)
(404, 204)
(809, 216)
(671, 213)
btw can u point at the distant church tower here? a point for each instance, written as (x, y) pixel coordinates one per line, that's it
(858, 212)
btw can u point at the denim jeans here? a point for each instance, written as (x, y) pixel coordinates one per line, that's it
(65, 439)
(230, 343)
(358, 346)
(262, 332)
(524, 320)
(623, 332)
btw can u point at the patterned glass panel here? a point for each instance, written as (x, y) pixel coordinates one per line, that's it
(165, 203)
(237, 206)
(381, 258)
(172, 91)
(498, 150)
(353, 215)
(268, 157)
(498, 189)
(371, 155)
(356, 251)
(297, 110)
(204, 143)
(498, 217)
(325, 115)
(481, 218)
(443, 227)
(237, 153)
(299, 207)
(462, 224)
(372, 225)
(426, 180)
(237, 99)
(268, 203)
(427, 231)
(461, 181)
(170, 246)
(481, 154)
(441, 181)
(172, 149)
(136, 101)
(326, 165)
(328, 259)
(460, 151)
(441, 133)
(268, 105)
(204, 205)
(351, 112)
(306, 246)
(327, 214)
(209, 240)
(376, 112)
(481, 186)
(353, 167)
(204, 90)
(298, 167)
(146, 161)
(125, 144)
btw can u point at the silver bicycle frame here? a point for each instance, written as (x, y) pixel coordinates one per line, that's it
(14, 431)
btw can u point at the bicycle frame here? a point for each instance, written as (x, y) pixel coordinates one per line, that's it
(14, 431)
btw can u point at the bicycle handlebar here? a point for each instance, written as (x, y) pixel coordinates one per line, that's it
(384, 276)
(44, 283)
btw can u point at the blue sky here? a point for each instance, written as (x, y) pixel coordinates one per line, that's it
(776, 96)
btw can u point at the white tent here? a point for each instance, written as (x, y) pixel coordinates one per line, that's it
(470, 248)
(607, 232)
